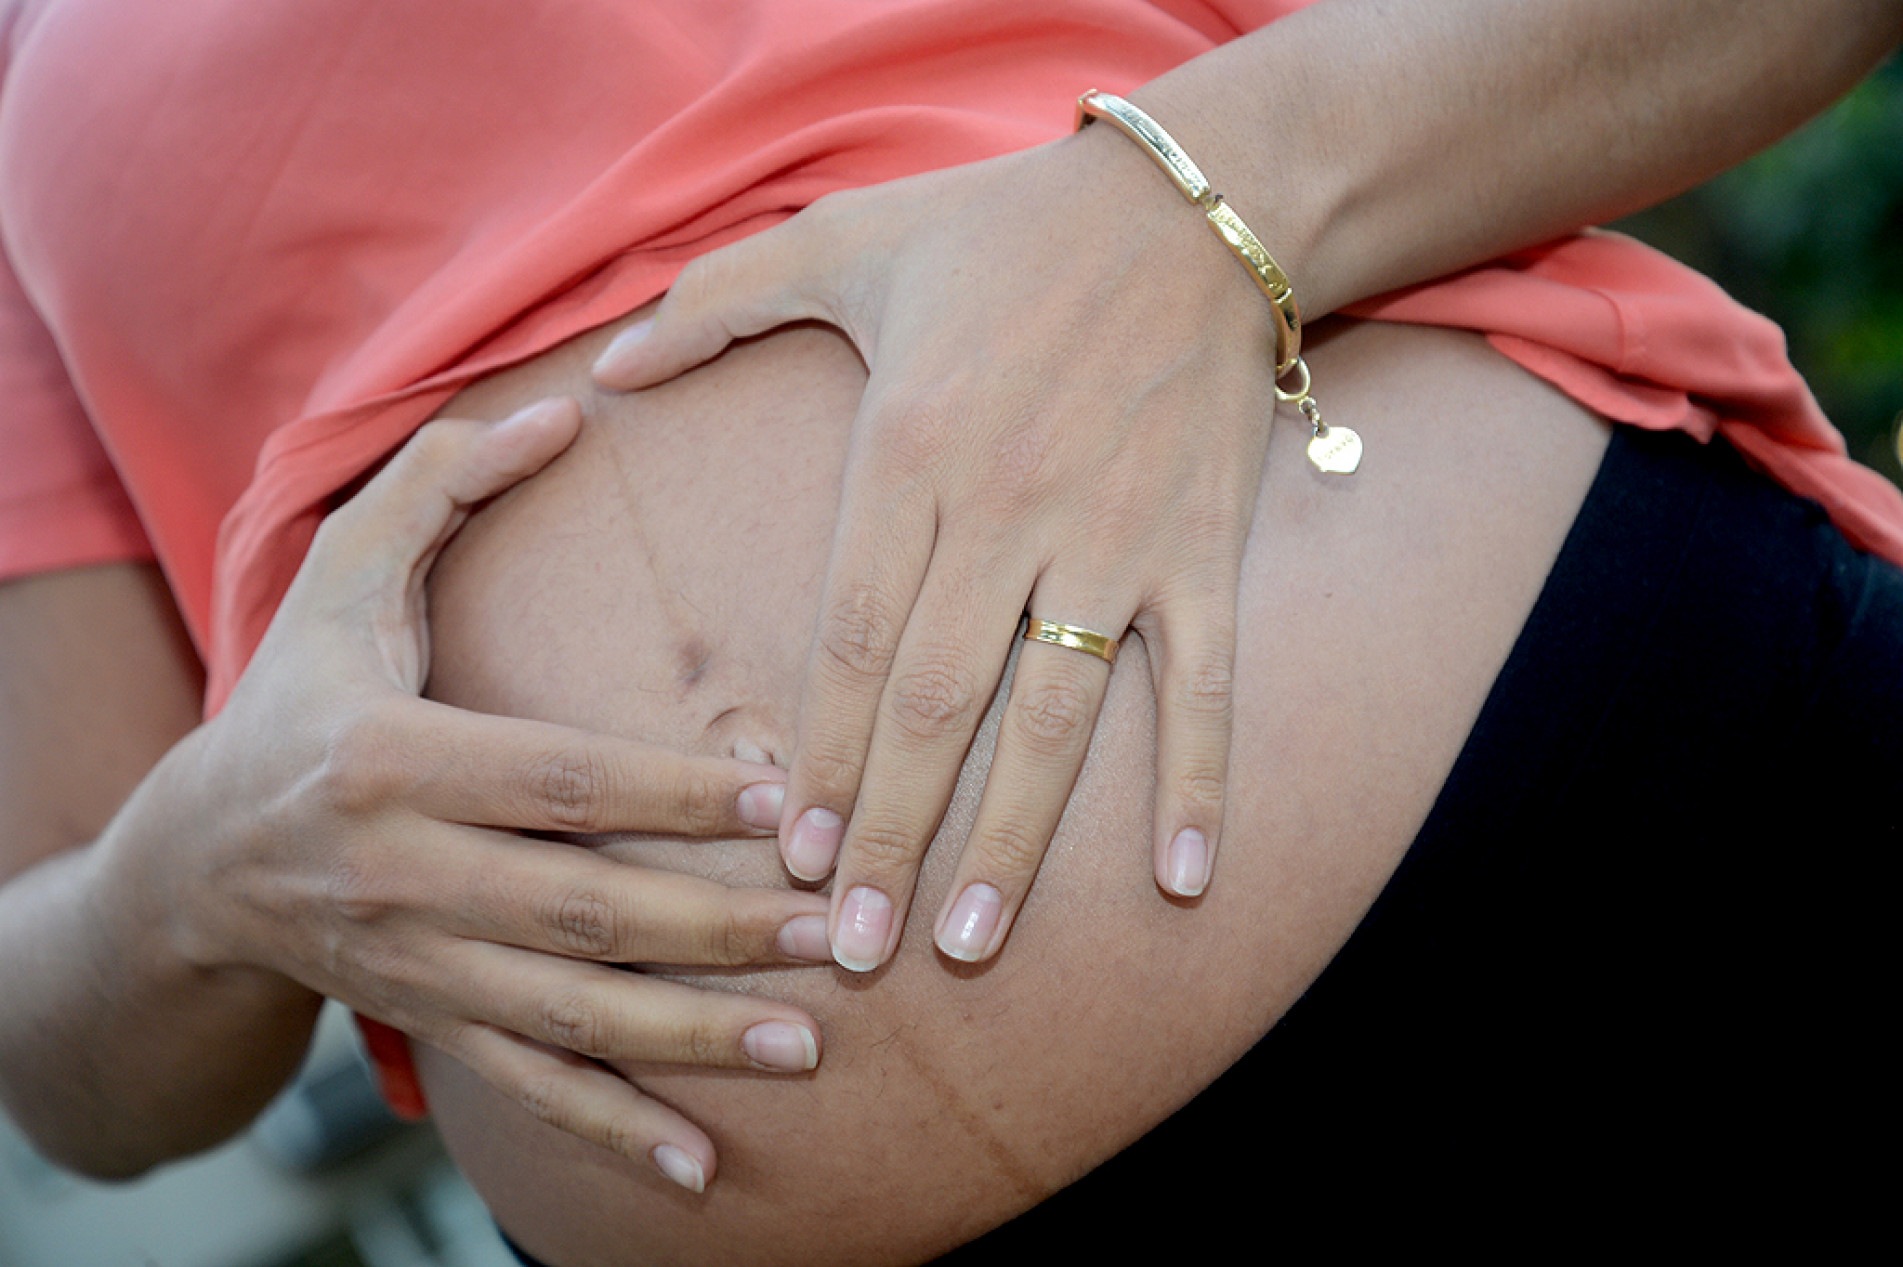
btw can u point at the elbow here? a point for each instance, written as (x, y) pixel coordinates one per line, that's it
(87, 1152)
(107, 1143)
(100, 1167)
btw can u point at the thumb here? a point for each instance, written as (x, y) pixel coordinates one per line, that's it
(403, 517)
(773, 278)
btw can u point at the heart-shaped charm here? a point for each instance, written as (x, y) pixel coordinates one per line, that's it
(1335, 451)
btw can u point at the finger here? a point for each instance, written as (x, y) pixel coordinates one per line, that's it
(414, 504)
(469, 767)
(1192, 658)
(573, 902)
(613, 1014)
(870, 587)
(589, 1102)
(946, 671)
(770, 279)
(1056, 694)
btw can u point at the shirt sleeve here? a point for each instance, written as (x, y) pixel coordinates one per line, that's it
(61, 502)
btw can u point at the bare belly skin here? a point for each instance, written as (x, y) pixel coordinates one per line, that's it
(661, 581)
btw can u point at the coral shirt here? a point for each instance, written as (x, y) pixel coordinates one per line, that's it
(252, 246)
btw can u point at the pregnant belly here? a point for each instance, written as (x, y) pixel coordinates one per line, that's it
(661, 580)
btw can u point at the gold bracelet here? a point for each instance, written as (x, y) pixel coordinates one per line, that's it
(1334, 450)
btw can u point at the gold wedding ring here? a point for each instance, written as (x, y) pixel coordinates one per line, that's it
(1077, 639)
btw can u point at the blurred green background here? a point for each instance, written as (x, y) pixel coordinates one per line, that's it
(1811, 234)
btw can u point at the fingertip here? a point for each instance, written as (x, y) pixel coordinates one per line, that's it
(1185, 870)
(760, 805)
(863, 930)
(781, 1047)
(618, 366)
(546, 410)
(970, 923)
(535, 433)
(810, 849)
(804, 937)
(682, 1167)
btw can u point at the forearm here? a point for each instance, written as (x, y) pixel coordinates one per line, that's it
(116, 1051)
(331, 834)
(1373, 144)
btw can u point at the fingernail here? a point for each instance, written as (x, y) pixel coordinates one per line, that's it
(815, 843)
(967, 931)
(680, 1166)
(624, 344)
(533, 413)
(865, 919)
(761, 803)
(781, 1046)
(1189, 863)
(804, 937)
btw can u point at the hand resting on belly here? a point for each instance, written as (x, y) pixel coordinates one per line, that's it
(660, 580)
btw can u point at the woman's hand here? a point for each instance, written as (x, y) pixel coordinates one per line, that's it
(1067, 413)
(361, 841)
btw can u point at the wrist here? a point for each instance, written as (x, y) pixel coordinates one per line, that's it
(1120, 196)
(1328, 451)
(1264, 145)
(161, 878)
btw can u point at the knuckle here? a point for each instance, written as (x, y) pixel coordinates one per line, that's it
(936, 699)
(540, 1095)
(859, 631)
(575, 1024)
(1199, 788)
(730, 940)
(1012, 848)
(620, 1135)
(832, 772)
(884, 847)
(586, 924)
(361, 767)
(349, 955)
(434, 446)
(705, 1043)
(570, 787)
(702, 803)
(915, 438)
(695, 285)
(1020, 470)
(1207, 689)
(1052, 713)
(441, 1032)
(354, 887)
